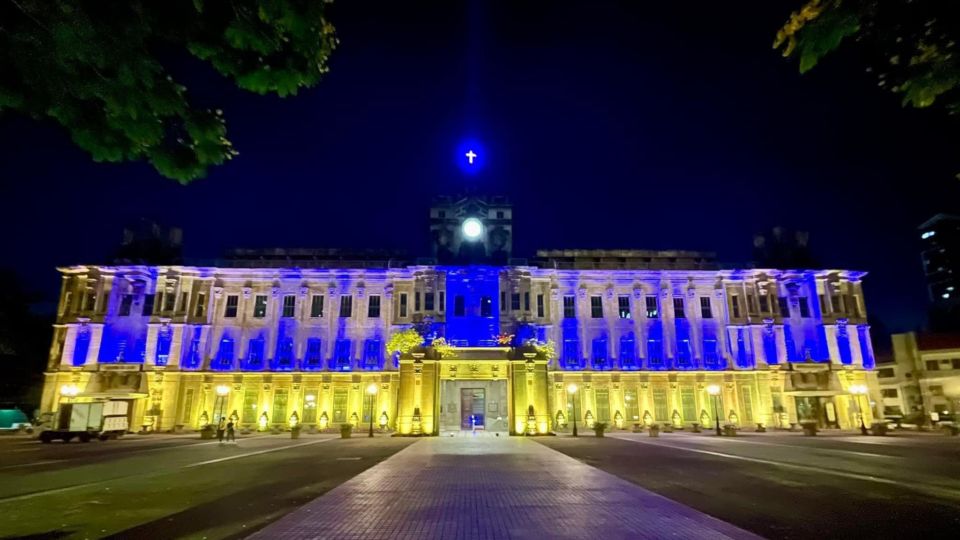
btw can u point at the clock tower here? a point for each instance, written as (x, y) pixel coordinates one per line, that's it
(471, 229)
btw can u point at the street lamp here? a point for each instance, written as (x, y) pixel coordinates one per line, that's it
(372, 390)
(714, 391)
(859, 390)
(222, 391)
(573, 390)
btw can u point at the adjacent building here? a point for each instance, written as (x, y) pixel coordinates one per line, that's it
(513, 345)
(923, 380)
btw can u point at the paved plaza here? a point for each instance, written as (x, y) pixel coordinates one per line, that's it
(492, 487)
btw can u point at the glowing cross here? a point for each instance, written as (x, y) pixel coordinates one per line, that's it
(470, 156)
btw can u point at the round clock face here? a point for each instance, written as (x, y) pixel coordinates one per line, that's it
(472, 228)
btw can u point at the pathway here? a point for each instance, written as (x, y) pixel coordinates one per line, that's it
(492, 487)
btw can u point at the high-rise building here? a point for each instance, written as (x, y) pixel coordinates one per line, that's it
(940, 238)
(627, 337)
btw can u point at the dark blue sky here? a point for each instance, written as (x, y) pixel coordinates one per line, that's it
(631, 124)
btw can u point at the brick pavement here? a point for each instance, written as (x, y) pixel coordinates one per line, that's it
(492, 487)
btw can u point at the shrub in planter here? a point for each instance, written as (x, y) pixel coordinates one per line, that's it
(346, 430)
(654, 430)
(599, 428)
(729, 430)
(668, 428)
(878, 428)
(696, 427)
(295, 432)
(809, 428)
(207, 432)
(638, 428)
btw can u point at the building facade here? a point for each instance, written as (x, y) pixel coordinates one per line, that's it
(644, 336)
(923, 381)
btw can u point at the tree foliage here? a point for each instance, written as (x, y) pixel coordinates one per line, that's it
(910, 45)
(94, 66)
(404, 341)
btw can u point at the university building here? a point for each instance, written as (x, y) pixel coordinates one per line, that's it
(271, 338)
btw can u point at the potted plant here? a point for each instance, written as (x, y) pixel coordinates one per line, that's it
(346, 430)
(599, 428)
(654, 430)
(809, 428)
(207, 432)
(295, 432)
(696, 427)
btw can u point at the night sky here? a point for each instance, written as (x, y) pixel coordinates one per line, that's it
(635, 124)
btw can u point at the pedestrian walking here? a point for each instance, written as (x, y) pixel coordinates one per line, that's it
(230, 434)
(220, 431)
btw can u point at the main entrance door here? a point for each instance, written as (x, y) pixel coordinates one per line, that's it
(472, 408)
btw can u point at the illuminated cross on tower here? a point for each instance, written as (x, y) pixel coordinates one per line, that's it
(470, 156)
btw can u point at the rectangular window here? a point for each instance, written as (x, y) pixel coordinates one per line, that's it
(784, 307)
(373, 307)
(230, 311)
(313, 357)
(602, 396)
(503, 301)
(596, 307)
(187, 406)
(201, 308)
(764, 303)
(459, 306)
(184, 297)
(526, 301)
(751, 303)
(416, 302)
(569, 307)
(403, 305)
(260, 306)
(885, 373)
(168, 301)
(346, 306)
(126, 302)
(316, 306)
(956, 363)
(310, 406)
(280, 406)
(933, 365)
(341, 355)
(250, 409)
(936, 390)
(746, 397)
(540, 313)
(678, 311)
(735, 306)
(428, 301)
(289, 305)
(515, 301)
(836, 303)
(371, 354)
(653, 310)
(442, 304)
(90, 301)
(706, 311)
(148, 300)
(486, 306)
(688, 405)
(804, 307)
(623, 307)
(632, 405)
(660, 405)
(340, 405)
(889, 392)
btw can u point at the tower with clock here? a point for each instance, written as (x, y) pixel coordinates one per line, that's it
(471, 229)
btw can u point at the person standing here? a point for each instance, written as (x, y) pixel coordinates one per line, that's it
(220, 431)
(231, 437)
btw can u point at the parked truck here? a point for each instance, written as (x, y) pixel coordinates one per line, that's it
(86, 421)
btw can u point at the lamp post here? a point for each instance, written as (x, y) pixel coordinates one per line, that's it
(859, 390)
(222, 391)
(573, 390)
(372, 390)
(714, 391)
